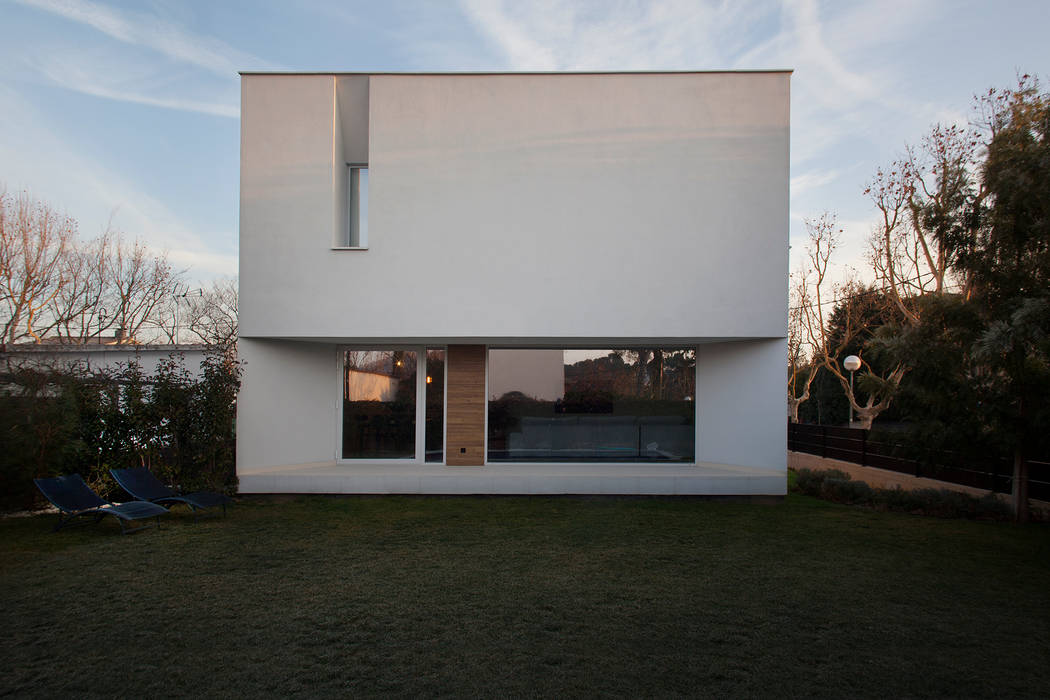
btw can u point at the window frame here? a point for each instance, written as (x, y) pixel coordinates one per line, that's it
(421, 408)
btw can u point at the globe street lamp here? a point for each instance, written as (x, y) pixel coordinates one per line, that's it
(852, 363)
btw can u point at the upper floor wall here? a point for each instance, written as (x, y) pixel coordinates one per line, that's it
(516, 206)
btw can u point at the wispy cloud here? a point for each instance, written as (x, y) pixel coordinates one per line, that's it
(137, 58)
(613, 35)
(510, 37)
(811, 48)
(96, 195)
(84, 72)
(219, 110)
(812, 180)
(153, 33)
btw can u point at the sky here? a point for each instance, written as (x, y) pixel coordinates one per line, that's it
(125, 114)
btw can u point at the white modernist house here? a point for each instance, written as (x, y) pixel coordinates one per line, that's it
(513, 283)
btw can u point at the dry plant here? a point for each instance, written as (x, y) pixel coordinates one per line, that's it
(802, 370)
(52, 284)
(925, 202)
(853, 305)
(34, 242)
(213, 314)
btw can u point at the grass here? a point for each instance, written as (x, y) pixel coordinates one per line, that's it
(528, 596)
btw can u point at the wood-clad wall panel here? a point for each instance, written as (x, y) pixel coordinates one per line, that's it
(465, 396)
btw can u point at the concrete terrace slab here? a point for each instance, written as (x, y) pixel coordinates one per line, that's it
(539, 479)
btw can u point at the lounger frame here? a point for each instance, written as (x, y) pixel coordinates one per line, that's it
(75, 499)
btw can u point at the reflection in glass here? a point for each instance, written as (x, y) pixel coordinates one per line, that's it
(435, 392)
(629, 405)
(379, 404)
(358, 199)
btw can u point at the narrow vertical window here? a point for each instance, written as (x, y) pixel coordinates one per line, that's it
(358, 198)
(435, 397)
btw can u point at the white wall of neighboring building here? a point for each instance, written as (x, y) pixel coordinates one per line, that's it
(370, 386)
(540, 372)
(518, 207)
(94, 358)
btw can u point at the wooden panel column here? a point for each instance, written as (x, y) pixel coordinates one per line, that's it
(465, 400)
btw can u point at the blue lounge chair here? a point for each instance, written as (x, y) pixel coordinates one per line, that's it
(143, 485)
(74, 498)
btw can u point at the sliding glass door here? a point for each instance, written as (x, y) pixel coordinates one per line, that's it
(393, 404)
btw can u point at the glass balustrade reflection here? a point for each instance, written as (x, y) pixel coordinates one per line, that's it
(612, 405)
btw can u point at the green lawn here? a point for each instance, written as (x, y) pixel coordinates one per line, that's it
(528, 596)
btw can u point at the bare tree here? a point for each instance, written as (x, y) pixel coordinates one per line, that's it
(166, 322)
(212, 315)
(853, 304)
(802, 370)
(924, 200)
(139, 283)
(53, 284)
(77, 307)
(34, 240)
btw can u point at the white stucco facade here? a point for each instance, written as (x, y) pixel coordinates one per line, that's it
(514, 211)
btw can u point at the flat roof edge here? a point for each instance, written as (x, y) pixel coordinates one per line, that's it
(524, 72)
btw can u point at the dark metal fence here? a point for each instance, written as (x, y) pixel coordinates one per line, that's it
(857, 446)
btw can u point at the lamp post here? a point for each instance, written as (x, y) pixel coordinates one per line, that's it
(101, 314)
(852, 363)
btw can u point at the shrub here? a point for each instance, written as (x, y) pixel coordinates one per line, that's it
(991, 507)
(897, 500)
(38, 433)
(834, 485)
(58, 421)
(846, 491)
(811, 481)
(943, 503)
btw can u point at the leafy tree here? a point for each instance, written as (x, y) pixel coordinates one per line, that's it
(940, 401)
(1009, 263)
(214, 413)
(171, 415)
(38, 424)
(982, 378)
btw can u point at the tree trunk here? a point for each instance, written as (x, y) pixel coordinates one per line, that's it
(1020, 486)
(863, 418)
(658, 374)
(643, 375)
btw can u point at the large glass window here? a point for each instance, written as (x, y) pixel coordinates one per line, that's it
(629, 405)
(379, 404)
